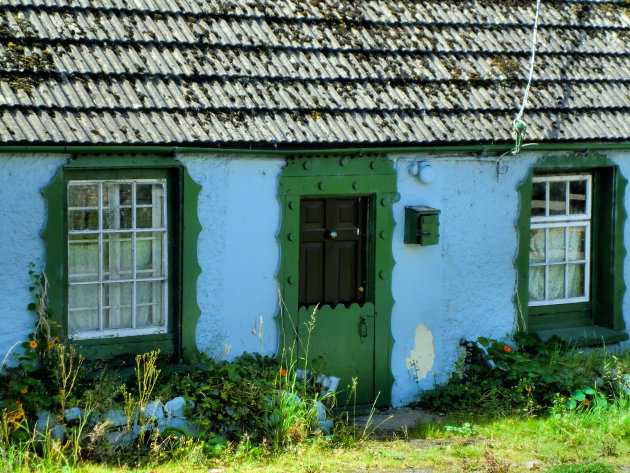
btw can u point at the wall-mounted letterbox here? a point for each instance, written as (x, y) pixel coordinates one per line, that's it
(422, 225)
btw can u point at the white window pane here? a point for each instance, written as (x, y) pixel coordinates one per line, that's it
(83, 195)
(537, 246)
(150, 201)
(577, 243)
(83, 307)
(117, 256)
(577, 197)
(82, 258)
(536, 283)
(539, 201)
(149, 304)
(117, 305)
(149, 255)
(575, 280)
(557, 198)
(555, 285)
(556, 244)
(83, 219)
(83, 320)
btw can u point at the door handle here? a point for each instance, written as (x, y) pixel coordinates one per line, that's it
(333, 235)
(363, 328)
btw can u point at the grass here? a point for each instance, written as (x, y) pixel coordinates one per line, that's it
(593, 440)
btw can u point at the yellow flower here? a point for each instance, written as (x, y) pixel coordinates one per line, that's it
(50, 344)
(56, 338)
(16, 425)
(18, 404)
(20, 412)
(586, 402)
(24, 390)
(33, 344)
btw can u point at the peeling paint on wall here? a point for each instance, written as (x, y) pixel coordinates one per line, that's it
(421, 356)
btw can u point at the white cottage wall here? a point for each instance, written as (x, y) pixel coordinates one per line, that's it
(238, 253)
(463, 286)
(22, 218)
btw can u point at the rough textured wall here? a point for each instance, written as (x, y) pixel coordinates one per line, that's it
(463, 286)
(22, 218)
(238, 252)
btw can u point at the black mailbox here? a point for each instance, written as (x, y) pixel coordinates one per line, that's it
(422, 225)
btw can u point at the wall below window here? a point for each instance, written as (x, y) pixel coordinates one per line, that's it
(22, 218)
(238, 252)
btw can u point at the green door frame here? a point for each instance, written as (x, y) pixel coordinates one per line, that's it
(372, 175)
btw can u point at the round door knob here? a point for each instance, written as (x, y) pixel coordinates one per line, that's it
(333, 235)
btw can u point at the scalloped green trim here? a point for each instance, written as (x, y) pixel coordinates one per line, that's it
(191, 229)
(54, 236)
(611, 314)
(372, 175)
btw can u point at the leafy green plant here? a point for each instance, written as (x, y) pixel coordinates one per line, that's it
(526, 375)
(596, 467)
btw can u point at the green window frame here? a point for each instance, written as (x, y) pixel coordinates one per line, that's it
(174, 338)
(599, 319)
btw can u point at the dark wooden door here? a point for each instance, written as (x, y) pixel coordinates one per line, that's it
(332, 273)
(333, 251)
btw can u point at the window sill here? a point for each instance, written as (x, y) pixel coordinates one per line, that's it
(585, 336)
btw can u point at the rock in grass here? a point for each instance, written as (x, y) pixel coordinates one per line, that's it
(45, 420)
(175, 407)
(154, 410)
(72, 413)
(115, 417)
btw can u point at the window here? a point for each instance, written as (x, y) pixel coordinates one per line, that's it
(121, 254)
(571, 250)
(117, 258)
(559, 242)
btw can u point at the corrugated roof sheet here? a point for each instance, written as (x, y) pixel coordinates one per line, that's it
(310, 72)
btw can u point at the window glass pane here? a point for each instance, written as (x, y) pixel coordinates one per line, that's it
(83, 258)
(577, 197)
(536, 283)
(116, 206)
(83, 195)
(556, 244)
(557, 198)
(538, 199)
(144, 219)
(143, 194)
(82, 307)
(556, 281)
(83, 219)
(577, 243)
(125, 194)
(149, 308)
(537, 246)
(117, 256)
(149, 255)
(117, 305)
(575, 280)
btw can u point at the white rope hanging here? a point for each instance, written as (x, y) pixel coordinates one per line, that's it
(518, 126)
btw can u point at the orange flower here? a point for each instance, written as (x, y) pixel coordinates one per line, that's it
(586, 402)
(24, 390)
(20, 412)
(50, 344)
(507, 348)
(56, 338)
(18, 404)
(16, 425)
(283, 372)
(33, 344)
